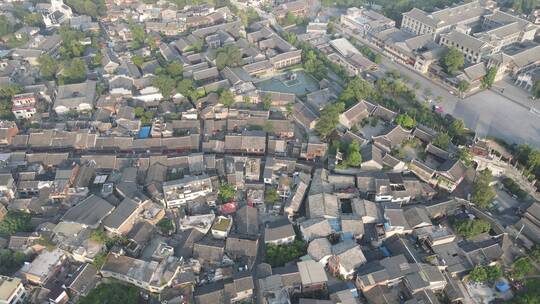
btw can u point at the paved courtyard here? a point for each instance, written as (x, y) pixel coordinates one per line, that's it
(507, 116)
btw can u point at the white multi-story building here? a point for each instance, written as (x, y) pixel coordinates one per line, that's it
(11, 290)
(364, 22)
(24, 105)
(56, 13)
(180, 191)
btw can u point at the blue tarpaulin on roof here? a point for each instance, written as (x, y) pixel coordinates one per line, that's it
(335, 225)
(353, 289)
(144, 132)
(502, 286)
(347, 236)
(385, 251)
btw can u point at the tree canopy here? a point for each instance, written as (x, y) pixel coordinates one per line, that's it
(405, 121)
(71, 43)
(112, 293)
(354, 158)
(92, 8)
(329, 119)
(314, 65)
(483, 192)
(536, 89)
(521, 268)
(11, 261)
(5, 26)
(165, 84)
(271, 195)
(485, 273)
(356, 90)
(166, 225)
(226, 192)
(471, 228)
(229, 55)
(442, 140)
(15, 222)
(73, 72)
(279, 255)
(530, 294)
(489, 78)
(453, 60)
(226, 98)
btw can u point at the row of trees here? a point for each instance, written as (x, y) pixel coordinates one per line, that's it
(483, 192)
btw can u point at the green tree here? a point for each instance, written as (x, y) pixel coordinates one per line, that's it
(229, 55)
(313, 65)
(226, 192)
(185, 87)
(485, 273)
(248, 16)
(15, 222)
(175, 69)
(536, 89)
(453, 60)
(73, 72)
(456, 128)
(463, 86)
(329, 119)
(377, 58)
(279, 255)
(166, 225)
(471, 228)
(99, 260)
(533, 161)
(464, 154)
(267, 101)
(354, 158)
(489, 78)
(197, 46)
(138, 34)
(528, 295)
(98, 235)
(34, 19)
(5, 26)
(442, 140)
(226, 98)
(137, 60)
(48, 66)
(271, 196)
(7, 91)
(71, 43)
(522, 267)
(11, 261)
(165, 84)
(356, 90)
(405, 121)
(92, 8)
(483, 192)
(112, 293)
